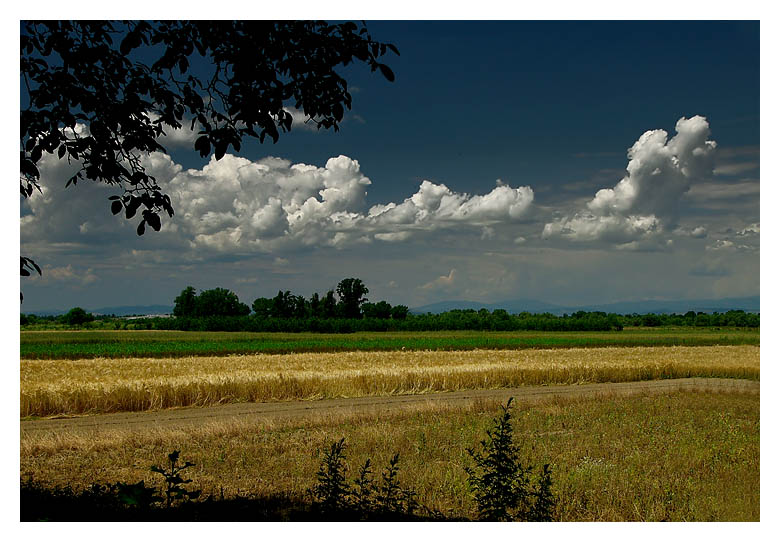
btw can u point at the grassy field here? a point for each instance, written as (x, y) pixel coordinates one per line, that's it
(53, 387)
(161, 344)
(686, 456)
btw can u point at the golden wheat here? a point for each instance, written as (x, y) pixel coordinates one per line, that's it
(109, 385)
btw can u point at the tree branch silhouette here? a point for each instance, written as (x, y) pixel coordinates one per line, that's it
(102, 93)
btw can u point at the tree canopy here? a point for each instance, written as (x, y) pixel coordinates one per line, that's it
(214, 302)
(102, 93)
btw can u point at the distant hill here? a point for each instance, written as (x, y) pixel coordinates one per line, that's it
(124, 310)
(747, 304)
(513, 306)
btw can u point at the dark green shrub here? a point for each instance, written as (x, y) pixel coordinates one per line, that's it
(366, 499)
(332, 490)
(391, 499)
(501, 482)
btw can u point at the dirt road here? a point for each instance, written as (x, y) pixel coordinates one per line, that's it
(284, 411)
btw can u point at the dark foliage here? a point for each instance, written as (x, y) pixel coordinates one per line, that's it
(501, 482)
(351, 296)
(332, 489)
(77, 317)
(134, 502)
(335, 499)
(174, 483)
(101, 93)
(217, 302)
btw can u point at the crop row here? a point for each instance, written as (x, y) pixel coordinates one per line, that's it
(91, 344)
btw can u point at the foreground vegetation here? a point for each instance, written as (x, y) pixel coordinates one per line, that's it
(86, 344)
(50, 387)
(686, 456)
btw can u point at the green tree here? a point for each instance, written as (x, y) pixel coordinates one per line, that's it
(263, 307)
(102, 93)
(329, 305)
(184, 303)
(351, 292)
(219, 302)
(283, 305)
(315, 304)
(381, 309)
(399, 312)
(77, 317)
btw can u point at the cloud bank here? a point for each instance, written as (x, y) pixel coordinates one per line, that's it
(243, 206)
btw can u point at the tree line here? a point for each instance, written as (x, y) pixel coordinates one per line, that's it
(350, 304)
(347, 309)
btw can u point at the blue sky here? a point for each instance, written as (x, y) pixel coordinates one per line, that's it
(493, 168)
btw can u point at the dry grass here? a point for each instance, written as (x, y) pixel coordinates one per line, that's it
(683, 456)
(50, 387)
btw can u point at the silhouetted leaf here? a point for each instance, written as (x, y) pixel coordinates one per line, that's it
(154, 221)
(387, 72)
(132, 207)
(28, 168)
(203, 146)
(97, 85)
(141, 228)
(219, 149)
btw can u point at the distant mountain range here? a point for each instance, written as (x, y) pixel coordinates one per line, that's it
(125, 310)
(747, 304)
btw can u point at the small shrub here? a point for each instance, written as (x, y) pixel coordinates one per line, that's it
(364, 492)
(501, 483)
(366, 499)
(332, 489)
(545, 502)
(391, 499)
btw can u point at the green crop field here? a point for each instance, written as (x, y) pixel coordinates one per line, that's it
(90, 344)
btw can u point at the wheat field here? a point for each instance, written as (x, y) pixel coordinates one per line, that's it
(57, 387)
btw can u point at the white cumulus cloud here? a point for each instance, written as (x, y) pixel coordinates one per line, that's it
(645, 201)
(444, 282)
(243, 206)
(272, 203)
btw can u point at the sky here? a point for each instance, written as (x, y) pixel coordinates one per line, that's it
(572, 162)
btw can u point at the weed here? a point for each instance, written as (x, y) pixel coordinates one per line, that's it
(174, 489)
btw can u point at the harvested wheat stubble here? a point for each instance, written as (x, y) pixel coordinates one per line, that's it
(680, 456)
(136, 384)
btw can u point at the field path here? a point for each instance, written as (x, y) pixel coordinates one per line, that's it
(284, 411)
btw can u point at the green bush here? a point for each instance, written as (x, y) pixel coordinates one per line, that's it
(366, 499)
(501, 482)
